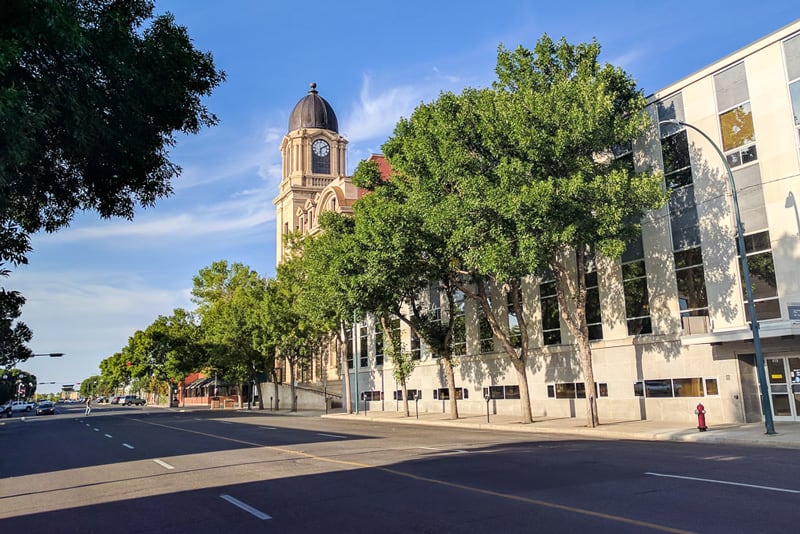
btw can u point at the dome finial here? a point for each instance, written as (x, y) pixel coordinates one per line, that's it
(313, 89)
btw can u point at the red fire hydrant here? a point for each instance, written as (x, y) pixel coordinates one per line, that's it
(701, 418)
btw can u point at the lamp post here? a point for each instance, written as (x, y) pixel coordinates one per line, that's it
(762, 375)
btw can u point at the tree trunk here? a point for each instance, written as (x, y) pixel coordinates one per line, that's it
(277, 389)
(572, 289)
(292, 385)
(341, 351)
(405, 397)
(500, 331)
(524, 393)
(451, 386)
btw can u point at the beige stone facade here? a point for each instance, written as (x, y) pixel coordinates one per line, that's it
(687, 338)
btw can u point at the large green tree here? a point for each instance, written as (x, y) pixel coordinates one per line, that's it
(520, 179)
(328, 295)
(398, 260)
(229, 299)
(92, 96)
(294, 332)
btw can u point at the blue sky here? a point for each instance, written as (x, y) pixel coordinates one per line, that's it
(91, 286)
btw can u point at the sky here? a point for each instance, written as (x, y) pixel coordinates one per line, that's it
(90, 286)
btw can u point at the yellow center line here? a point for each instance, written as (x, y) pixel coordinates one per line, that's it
(360, 465)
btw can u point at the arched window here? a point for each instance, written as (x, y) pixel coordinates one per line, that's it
(320, 157)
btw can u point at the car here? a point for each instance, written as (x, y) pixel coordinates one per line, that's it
(127, 400)
(5, 409)
(21, 406)
(46, 408)
(102, 399)
(116, 399)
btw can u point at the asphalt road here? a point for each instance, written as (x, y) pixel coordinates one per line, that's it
(131, 469)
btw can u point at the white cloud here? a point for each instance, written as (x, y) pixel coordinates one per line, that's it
(87, 315)
(375, 115)
(246, 210)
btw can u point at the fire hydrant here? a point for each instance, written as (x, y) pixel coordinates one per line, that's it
(701, 418)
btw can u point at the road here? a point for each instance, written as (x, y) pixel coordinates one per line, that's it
(133, 469)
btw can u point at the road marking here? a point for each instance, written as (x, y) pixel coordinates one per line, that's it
(87, 424)
(331, 435)
(129, 446)
(225, 422)
(445, 451)
(108, 435)
(362, 465)
(96, 429)
(726, 482)
(246, 507)
(162, 463)
(268, 428)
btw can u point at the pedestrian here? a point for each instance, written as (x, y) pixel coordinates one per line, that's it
(88, 405)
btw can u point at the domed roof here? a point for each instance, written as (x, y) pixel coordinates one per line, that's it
(313, 111)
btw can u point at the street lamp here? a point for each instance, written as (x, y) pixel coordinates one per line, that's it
(762, 375)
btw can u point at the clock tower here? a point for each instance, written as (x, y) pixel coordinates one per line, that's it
(313, 176)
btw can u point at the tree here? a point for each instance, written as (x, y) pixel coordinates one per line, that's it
(90, 387)
(327, 296)
(91, 99)
(521, 179)
(398, 260)
(294, 333)
(229, 300)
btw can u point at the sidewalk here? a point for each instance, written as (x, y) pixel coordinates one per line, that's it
(787, 434)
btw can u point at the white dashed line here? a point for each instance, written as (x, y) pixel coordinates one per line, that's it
(96, 429)
(162, 463)
(726, 482)
(246, 507)
(128, 446)
(108, 435)
(331, 435)
(268, 428)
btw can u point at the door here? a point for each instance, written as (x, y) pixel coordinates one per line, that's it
(783, 374)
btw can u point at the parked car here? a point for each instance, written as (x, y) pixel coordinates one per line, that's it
(116, 399)
(21, 406)
(132, 399)
(46, 408)
(5, 409)
(102, 399)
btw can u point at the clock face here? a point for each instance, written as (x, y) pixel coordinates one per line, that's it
(320, 148)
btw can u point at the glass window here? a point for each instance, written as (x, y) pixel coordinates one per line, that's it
(551, 391)
(658, 388)
(711, 386)
(513, 322)
(565, 390)
(459, 343)
(496, 392)
(363, 351)
(791, 51)
(737, 127)
(677, 166)
(794, 91)
(349, 343)
(551, 322)
(511, 392)
(762, 277)
(416, 346)
(593, 318)
(688, 387)
(320, 157)
(637, 298)
(690, 278)
(485, 333)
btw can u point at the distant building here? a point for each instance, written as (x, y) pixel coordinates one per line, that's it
(668, 322)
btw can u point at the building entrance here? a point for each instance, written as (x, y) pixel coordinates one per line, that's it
(783, 373)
